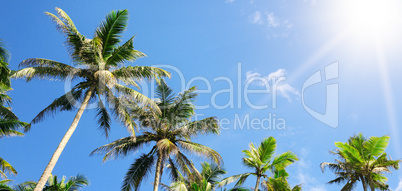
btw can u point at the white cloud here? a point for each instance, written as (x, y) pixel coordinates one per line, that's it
(273, 80)
(277, 28)
(256, 18)
(272, 20)
(229, 1)
(399, 188)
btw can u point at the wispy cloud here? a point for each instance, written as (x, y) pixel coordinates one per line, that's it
(256, 18)
(229, 1)
(276, 26)
(275, 80)
(272, 20)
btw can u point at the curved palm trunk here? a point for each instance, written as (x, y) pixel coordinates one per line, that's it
(158, 172)
(49, 168)
(257, 183)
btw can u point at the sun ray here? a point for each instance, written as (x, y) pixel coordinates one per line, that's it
(389, 98)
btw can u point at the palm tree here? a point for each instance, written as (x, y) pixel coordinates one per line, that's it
(99, 66)
(279, 182)
(72, 184)
(210, 177)
(261, 160)
(9, 122)
(363, 160)
(171, 131)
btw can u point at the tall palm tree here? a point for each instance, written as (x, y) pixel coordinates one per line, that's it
(210, 177)
(170, 131)
(98, 67)
(363, 160)
(9, 122)
(261, 159)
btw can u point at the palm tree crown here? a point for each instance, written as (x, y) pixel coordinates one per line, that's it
(261, 159)
(171, 131)
(363, 160)
(210, 177)
(99, 73)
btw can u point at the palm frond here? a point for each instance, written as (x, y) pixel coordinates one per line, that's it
(76, 182)
(201, 150)
(6, 167)
(267, 149)
(104, 120)
(110, 29)
(205, 126)
(130, 74)
(376, 145)
(124, 53)
(284, 160)
(239, 179)
(136, 97)
(10, 127)
(138, 171)
(122, 147)
(64, 103)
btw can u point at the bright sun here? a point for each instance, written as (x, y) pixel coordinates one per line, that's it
(371, 18)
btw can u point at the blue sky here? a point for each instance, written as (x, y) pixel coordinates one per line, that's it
(213, 45)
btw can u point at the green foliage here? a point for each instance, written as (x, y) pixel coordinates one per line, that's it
(98, 66)
(170, 129)
(261, 160)
(362, 160)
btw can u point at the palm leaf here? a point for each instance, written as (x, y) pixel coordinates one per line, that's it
(201, 150)
(240, 178)
(122, 147)
(267, 149)
(104, 120)
(376, 145)
(6, 167)
(131, 74)
(110, 29)
(139, 170)
(124, 53)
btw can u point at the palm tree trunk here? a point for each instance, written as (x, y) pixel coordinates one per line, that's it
(257, 183)
(158, 172)
(49, 168)
(364, 183)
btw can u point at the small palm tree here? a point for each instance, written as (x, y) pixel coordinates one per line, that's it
(72, 184)
(279, 182)
(210, 177)
(363, 160)
(99, 66)
(171, 131)
(261, 160)
(9, 122)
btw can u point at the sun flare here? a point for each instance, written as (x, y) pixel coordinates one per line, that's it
(371, 18)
